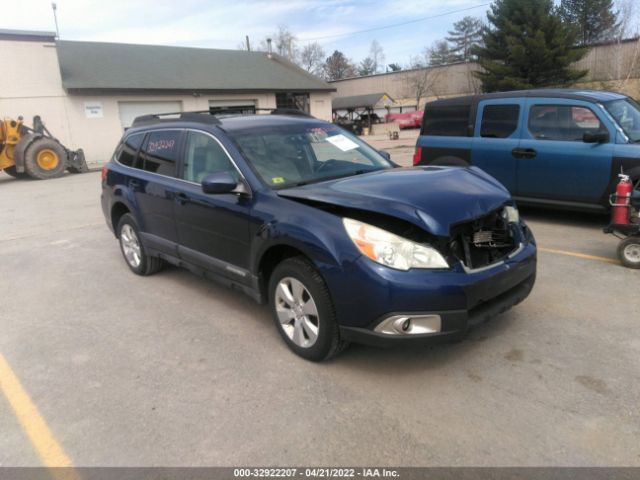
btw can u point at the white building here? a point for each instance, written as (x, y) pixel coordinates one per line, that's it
(87, 93)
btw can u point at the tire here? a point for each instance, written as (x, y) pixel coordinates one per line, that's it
(297, 327)
(629, 252)
(44, 159)
(14, 173)
(133, 250)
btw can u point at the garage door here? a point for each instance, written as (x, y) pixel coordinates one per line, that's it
(130, 110)
(243, 106)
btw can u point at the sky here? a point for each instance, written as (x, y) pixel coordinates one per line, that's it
(224, 24)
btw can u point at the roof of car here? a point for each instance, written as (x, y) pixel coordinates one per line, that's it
(571, 93)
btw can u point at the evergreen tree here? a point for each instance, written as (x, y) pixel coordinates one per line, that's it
(439, 53)
(595, 19)
(367, 67)
(527, 45)
(465, 35)
(338, 66)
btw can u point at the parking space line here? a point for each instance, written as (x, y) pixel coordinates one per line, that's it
(48, 232)
(579, 255)
(41, 437)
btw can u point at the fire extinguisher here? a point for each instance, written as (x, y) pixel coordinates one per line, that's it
(621, 201)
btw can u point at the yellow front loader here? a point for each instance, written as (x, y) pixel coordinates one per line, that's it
(34, 152)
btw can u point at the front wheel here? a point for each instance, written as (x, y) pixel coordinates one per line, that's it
(303, 311)
(629, 252)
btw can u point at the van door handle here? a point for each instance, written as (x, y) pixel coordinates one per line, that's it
(524, 152)
(181, 198)
(134, 184)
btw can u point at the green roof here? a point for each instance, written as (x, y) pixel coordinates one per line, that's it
(120, 66)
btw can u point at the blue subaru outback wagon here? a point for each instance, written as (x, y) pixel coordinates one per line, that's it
(341, 243)
(555, 147)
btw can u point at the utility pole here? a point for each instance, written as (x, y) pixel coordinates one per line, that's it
(248, 45)
(54, 7)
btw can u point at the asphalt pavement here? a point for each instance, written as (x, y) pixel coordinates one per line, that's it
(100, 367)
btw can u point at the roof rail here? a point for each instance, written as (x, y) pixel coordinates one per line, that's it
(199, 116)
(209, 116)
(288, 111)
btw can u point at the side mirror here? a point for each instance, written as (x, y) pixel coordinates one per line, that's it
(385, 154)
(221, 182)
(599, 137)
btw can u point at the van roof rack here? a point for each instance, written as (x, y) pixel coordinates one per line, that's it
(209, 116)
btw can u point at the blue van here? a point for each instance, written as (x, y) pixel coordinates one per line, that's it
(560, 147)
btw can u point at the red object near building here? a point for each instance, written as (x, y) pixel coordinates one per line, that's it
(405, 119)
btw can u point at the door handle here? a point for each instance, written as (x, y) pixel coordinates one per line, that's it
(524, 152)
(134, 183)
(181, 198)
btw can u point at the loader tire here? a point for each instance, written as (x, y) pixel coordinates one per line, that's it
(14, 173)
(45, 158)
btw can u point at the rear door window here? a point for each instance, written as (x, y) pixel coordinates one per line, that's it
(126, 155)
(447, 120)
(499, 121)
(160, 152)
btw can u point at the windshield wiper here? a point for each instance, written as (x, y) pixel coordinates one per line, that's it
(335, 177)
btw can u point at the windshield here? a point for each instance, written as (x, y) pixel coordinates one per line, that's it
(293, 155)
(627, 113)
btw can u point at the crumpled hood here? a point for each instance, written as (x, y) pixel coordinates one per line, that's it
(433, 198)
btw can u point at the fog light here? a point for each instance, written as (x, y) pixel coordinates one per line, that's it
(409, 325)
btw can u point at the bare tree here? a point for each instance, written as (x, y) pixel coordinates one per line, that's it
(312, 58)
(338, 66)
(376, 54)
(285, 43)
(421, 83)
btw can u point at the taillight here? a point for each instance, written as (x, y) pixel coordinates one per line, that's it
(104, 173)
(417, 156)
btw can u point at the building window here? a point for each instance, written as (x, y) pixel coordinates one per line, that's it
(297, 101)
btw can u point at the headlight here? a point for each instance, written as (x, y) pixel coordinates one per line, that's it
(510, 214)
(390, 250)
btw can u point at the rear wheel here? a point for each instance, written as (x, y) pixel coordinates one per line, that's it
(629, 252)
(303, 310)
(132, 249)
(45, 158)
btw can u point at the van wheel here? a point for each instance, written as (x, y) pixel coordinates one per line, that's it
(629, 252)
(303, 310)
(133, 250)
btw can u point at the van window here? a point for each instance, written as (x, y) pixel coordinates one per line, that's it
(499, 121)
(160, 152)
(563, 122)
(447, 120)
(128, 150)
(203, 155)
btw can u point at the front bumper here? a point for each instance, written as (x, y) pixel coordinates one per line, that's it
(461, 298)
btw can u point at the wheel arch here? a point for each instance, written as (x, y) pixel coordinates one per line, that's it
(270, 258)
(118, 209)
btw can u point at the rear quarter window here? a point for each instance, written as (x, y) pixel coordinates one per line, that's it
(447, 120)
(126, 154)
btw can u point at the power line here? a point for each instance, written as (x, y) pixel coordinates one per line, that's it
(395, 24)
